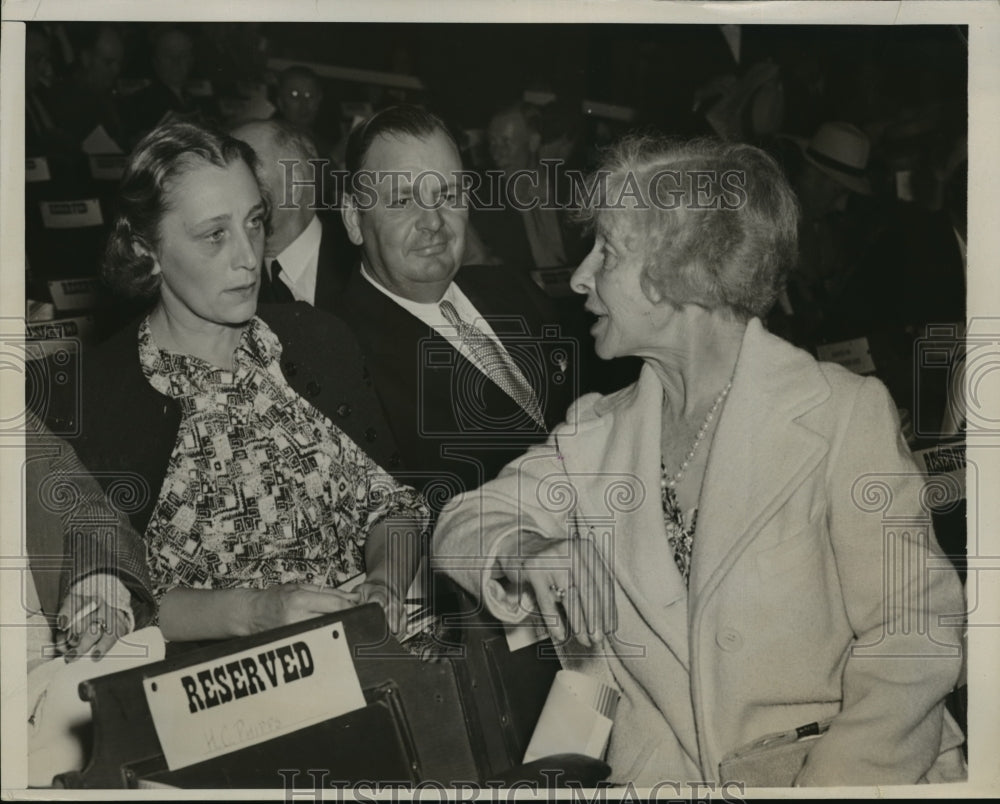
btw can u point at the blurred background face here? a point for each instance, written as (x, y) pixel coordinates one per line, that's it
(173, 60)
(289, 216)
(37, 60)
(299, 99)
(103, 64)
(412, 249)
(818, 192)
(511, 143)
(211, 245)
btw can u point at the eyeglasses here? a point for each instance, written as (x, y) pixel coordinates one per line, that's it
(303, 94)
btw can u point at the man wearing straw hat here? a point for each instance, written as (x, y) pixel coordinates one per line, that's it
(833, 234)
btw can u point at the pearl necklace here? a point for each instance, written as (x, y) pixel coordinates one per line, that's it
(702, 431)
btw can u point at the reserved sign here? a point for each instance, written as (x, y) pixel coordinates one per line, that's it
(214, 708)
(946, 459)
(60, 328)
(107, 167)
(75, 294)
(71, 214)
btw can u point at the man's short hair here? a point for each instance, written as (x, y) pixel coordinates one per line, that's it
(286, 137)
(394, 121)
(298, 71)
(160, 32)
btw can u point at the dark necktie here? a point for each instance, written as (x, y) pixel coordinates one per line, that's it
(495, 363)
(273, 289)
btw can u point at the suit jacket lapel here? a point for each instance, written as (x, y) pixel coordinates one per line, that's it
(396, 334)
(760, 454)
(384, 323)
(331, 278)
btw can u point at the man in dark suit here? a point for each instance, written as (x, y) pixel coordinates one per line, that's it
(87, 98)
(533, 230)
(173, 62)
(468, 364)
(41, 135)
(305, 258)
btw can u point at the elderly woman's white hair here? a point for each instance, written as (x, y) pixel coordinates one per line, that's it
(717, 220)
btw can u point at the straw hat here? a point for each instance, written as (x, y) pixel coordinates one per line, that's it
(841, 151)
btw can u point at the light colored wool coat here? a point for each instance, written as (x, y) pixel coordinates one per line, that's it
(817, 587)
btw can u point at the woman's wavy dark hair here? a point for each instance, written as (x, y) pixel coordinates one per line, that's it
(162, 157)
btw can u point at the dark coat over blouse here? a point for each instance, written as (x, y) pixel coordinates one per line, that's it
(125, 430)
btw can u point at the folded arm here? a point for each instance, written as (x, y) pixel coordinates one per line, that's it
(520, 556)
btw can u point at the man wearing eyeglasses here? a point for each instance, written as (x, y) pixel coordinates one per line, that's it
(299, 98)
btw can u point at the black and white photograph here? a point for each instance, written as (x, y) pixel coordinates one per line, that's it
(537, 399)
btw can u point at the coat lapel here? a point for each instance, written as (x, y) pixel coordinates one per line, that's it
(624, 447)
(760, 454)
(516, 327)
(398, 338)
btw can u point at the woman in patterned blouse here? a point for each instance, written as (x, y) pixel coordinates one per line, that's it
(267, 509)
(715, 540)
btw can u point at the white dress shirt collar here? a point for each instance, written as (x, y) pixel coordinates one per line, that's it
(430, 312)
(300, 262)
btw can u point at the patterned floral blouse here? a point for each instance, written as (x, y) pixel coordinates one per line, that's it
(261, 488)
(680, 529)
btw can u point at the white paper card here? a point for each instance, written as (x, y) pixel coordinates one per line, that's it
(52, 335)
(576, 719)
(216, 707)
(36, 168)
(75, 294)
(60, 721)
(904, 185)
(71, 214)
(521, 635)
(855, 355)
(107, 167)
(950, 460)
(99, 141)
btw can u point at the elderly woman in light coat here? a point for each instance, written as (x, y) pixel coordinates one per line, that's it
(739, 542)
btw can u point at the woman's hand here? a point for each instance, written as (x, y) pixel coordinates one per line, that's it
(293, 602)
(391, 602)
(87, 623)
(570, 583)
(392, 555)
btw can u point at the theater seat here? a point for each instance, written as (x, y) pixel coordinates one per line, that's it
(421, 722)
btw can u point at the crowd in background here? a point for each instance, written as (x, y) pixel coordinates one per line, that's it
(904, 88)
(868, 122)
